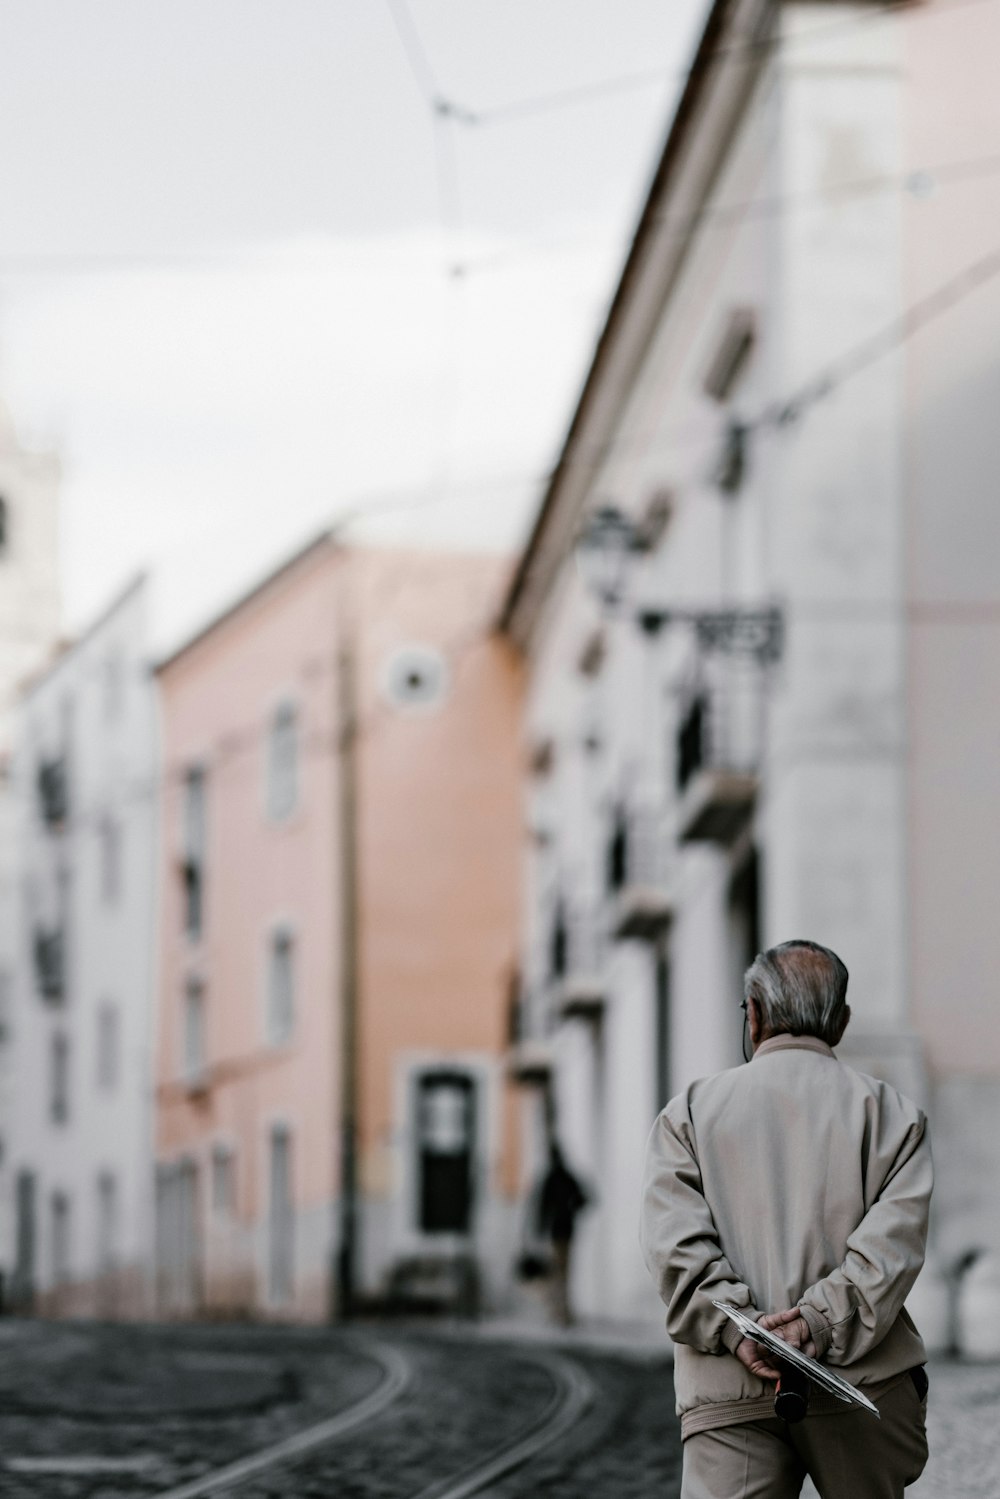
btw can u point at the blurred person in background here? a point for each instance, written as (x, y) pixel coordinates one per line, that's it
(561, 1198)
(797, 1190)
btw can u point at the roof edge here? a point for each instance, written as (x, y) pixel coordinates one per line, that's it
(327, 538)
(68, 646)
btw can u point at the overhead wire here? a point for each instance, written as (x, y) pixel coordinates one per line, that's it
(789, 409)
(919, 181)
(599, 89)
(777, 414)
(449, 196)
(280, 261)
(784, 411)
(868, 351)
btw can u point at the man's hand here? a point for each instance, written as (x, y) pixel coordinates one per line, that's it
(753, 1357)
(792, 1327)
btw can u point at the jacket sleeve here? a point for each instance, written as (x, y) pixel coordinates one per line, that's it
(680, 1242)
(851, 1310)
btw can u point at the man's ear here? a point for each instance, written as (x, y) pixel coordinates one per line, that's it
(846, 1022)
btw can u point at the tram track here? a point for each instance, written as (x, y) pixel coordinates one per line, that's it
(572, 1394)
(397, 1376)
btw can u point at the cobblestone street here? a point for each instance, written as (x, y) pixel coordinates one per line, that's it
(92, 1412)
(101, 1412)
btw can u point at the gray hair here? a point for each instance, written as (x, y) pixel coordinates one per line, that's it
(801, 989)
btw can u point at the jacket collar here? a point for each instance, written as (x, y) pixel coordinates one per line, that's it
(784, 1042)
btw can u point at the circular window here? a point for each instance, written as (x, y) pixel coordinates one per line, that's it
(416, 677)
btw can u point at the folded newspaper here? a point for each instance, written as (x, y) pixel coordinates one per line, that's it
(818, 1373)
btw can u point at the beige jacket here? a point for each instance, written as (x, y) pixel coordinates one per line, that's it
(794, 1181)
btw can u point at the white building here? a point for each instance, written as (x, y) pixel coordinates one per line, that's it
(793, 402)
(81, 1023)
(29, 629)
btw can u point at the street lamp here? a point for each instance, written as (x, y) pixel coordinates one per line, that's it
(605, 547)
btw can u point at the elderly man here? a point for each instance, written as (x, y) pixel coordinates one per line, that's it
(795, 1189)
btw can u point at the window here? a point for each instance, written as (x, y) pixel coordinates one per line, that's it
(107, 1222)
(25, 1236)
(194, 813)
(281, 1258)
(592, 654)
(49, 944)
(59, 1079)
(5, 993)
(111, 849)
(113, 674)
(223, 1179)
(108, 1046)
(730, 467)
(558, 945)
(282, 763)
(731, 353)
(617, 853)
(53, 791)
(60, 1238)
(194, 1029)
(281, 987)
(48, 957)
(193, 852)
(692, 736)
(4, 526)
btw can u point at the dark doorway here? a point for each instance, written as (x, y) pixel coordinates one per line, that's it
(23, 1289)
(446, 1128)
(282, 1218)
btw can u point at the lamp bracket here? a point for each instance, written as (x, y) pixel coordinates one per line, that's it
(733, 632)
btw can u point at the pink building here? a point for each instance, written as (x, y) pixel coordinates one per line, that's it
(339, 905)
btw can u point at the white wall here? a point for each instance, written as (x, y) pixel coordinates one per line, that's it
(817, 526)
(108, 736)
(836, 770)
(29, 629)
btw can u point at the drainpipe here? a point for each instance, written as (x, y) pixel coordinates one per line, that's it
(345, 1268)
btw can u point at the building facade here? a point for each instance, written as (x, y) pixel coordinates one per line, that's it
(29, 631)
(339, 875)
(758, 701)
(84, 788)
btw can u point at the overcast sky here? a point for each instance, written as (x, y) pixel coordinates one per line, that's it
(223, 266)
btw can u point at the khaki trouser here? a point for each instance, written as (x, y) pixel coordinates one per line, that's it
(849, 1456)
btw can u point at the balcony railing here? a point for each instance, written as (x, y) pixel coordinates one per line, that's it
(53, 792)
(719, 740)
(50, 956)
(639, 872)
(529, 1049)
(577, 960)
